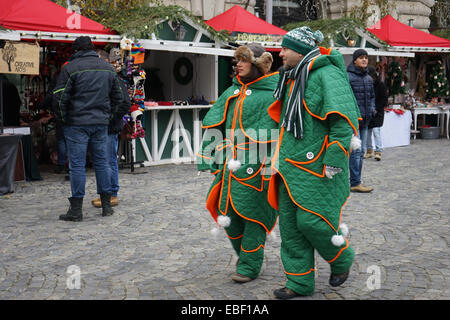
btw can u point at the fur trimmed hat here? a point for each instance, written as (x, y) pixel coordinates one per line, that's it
(255, 54)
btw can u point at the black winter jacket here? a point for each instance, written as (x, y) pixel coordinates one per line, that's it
(116, 124)
(381, 99)
(86, 90)
(362, 86)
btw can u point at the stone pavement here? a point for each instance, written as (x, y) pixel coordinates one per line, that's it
(158, 244)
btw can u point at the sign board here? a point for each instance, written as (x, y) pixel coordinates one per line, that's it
(19, 57)
(252, 37)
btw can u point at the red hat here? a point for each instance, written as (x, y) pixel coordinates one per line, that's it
(135, 111)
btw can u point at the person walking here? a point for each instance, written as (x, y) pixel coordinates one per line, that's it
(362, 86)
(86, 89)
(115, 126)
(381, 98)
(240, 127)
(318, 116)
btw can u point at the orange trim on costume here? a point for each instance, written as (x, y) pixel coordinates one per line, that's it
(274, 111)
(325, 51)
(242, 216)
(238, 237)
(299, 274)
(326, 115)
(292, 198)
(272, 192)
(211, 202)
(340, 146)
(225, 112)
(340, 251)
(202, 156)
(254, 250)
(315, 158)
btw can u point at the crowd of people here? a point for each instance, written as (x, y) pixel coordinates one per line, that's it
(324, 114)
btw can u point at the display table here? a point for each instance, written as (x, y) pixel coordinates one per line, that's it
(442, 109)
(396, 129)
(9, 144)
(173, 134)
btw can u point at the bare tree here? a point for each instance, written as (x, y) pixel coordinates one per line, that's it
(9, 54)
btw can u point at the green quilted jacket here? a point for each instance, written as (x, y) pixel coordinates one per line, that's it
(240, 128)
(330, 117)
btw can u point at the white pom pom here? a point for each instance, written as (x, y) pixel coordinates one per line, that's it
(344, 229)
(214, 232)
(337, 240)
(224, 221)
(234, 165)
(355, 143)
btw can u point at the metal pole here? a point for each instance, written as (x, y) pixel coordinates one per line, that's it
(269, 10)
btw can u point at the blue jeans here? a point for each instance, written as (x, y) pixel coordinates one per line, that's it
(111, 147)
(377, 138)
(62, 152)
(357, 157)
(78, 139)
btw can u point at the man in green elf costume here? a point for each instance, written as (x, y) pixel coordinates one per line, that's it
(238, 135)
(318, 119)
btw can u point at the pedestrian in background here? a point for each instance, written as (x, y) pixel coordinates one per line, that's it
(381, 98)
(115, 126)
(86, 89)
(362, 86)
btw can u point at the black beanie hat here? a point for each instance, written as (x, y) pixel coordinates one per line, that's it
(358, 53)
(82, 43)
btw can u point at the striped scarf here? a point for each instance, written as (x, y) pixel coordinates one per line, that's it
(293, 116)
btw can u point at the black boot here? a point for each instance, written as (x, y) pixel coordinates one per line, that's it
(106, 204)
(75, 212)
(338, 279)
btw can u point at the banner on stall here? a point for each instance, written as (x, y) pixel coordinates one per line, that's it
(252, 37)
(19, 57)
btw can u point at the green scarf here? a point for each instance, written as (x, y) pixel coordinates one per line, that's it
(293, 115)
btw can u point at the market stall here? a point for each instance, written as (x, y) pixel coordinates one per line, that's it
(420, 85)
(35, 40)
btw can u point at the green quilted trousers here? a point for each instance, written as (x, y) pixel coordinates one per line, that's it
(301, 232)
(248, 239)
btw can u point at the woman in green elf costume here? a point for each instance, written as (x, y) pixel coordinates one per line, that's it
(236, 149)
(317, 115)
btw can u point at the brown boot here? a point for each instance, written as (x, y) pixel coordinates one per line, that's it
(378, 156)
(98, 203)
(368, 154)
(240, 278)
(361, 188)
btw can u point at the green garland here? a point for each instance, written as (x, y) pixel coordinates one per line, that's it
(338, 30)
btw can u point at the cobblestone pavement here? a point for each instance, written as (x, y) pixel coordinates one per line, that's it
(158, 245)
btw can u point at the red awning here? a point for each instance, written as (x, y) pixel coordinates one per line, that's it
(237, 19)
(44, 15)
(398, 34)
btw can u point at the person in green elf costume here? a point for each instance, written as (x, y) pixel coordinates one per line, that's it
(236, 149)
(318, 120)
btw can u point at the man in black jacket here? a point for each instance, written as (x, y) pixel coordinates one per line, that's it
(83, 97)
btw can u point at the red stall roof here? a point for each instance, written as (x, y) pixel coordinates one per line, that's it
(237, 19)
(398, 34)
(44, 15)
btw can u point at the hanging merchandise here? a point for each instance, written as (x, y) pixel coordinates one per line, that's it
(437, 85)
(394, 80)
(137, 53)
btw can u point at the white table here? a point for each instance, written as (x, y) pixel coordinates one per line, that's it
(396, 129)
(443, 110)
